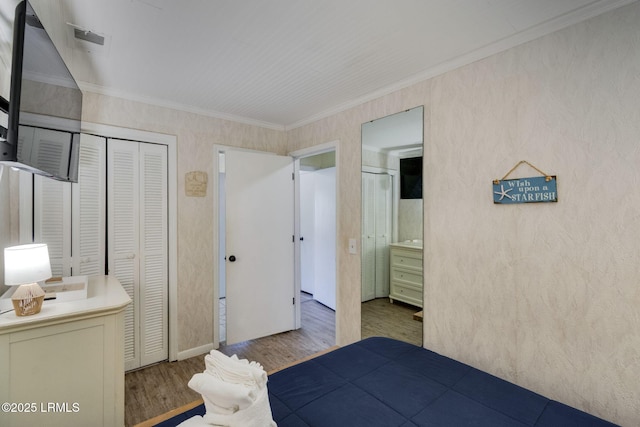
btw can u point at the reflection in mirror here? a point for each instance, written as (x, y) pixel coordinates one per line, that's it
(392, 226)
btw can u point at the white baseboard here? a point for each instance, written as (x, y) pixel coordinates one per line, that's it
(196, 351)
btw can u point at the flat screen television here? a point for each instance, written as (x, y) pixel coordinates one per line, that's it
(45, 105)
(411, 178)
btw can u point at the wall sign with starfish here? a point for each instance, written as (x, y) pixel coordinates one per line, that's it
(538, 189)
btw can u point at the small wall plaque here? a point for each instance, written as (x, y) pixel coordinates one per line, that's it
(525, 190)
(537, 189)
(195, 183)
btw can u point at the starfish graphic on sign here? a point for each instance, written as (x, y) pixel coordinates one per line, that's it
(503, 193)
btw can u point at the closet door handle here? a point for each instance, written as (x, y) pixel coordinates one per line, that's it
(232, 258)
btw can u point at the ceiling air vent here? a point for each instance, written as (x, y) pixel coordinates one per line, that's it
(88, 36)
(89, 42)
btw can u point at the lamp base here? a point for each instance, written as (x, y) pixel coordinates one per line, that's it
(27, 308)
(27, 300)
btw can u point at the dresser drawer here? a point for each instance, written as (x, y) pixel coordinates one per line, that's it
(406, 259)
(407, 276)
(406, 294)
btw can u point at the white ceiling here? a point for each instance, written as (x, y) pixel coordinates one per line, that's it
(283, 63)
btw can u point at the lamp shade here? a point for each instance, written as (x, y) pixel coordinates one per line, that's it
(26, 264)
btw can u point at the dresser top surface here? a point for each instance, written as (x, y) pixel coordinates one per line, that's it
(105, 295)
(410, 244)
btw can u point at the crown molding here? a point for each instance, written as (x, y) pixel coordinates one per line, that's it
(101, 90)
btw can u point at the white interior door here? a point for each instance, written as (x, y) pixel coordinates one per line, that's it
(325, 237)
(222, 215)
(307, 231)
(259, 245)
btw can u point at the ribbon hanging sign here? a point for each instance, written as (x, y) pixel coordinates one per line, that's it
(525, 190)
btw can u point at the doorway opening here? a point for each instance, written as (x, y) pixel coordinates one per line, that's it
(317, 227)
(316, 178)
(316, 231)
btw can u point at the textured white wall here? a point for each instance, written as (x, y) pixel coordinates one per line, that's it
(544, 294)
(410, 219)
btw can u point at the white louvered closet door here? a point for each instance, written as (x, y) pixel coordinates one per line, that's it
(368, 237)
(377, 206)
(89, 208)
(123, 230)
(153, 254)
(383, 233)
(70, 218)
(137, 224)
(52, 221)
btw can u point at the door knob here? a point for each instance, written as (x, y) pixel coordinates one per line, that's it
(232, 258)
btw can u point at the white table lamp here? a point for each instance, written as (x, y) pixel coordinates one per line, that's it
(24, 266)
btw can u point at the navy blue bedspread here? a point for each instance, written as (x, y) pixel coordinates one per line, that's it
(384, 382)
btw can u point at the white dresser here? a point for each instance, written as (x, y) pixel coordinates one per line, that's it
(406, 279)
(65, 365)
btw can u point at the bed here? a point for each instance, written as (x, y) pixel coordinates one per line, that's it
(384, 382)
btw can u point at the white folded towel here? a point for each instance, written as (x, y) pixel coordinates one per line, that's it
(234, 370)
(234, 392)
(256, 415)
(228, 397)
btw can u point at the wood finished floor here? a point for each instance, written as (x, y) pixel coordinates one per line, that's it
(156, 389)
(380, 318)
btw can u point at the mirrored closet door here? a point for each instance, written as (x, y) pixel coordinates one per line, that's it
(392, 226)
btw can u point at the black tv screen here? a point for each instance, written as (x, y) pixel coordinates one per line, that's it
(411, 178)
(45, 104)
